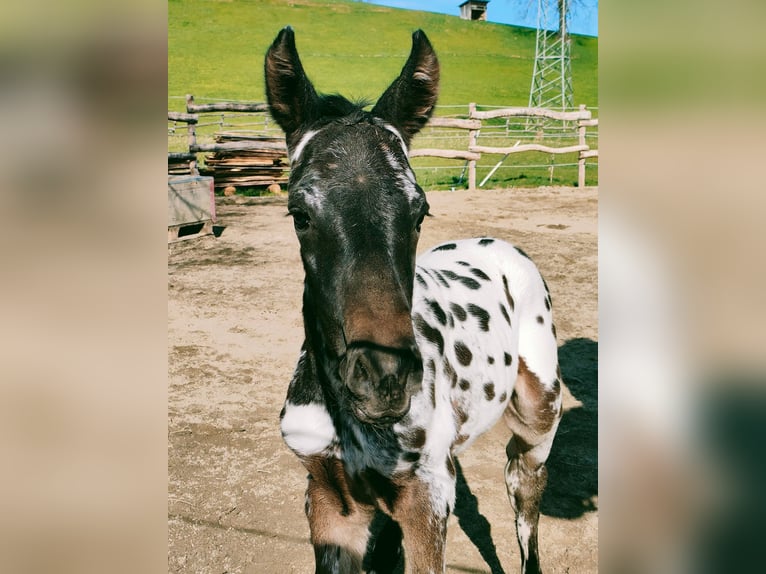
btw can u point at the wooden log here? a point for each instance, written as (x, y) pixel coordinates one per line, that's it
(249, 181)
(445, 153)
(247, 155)
(588, 123)
(241, 145)
(180, 156)
(179, 169)
(239, 178)
(454, 123)
(234, 162)
(191, 136)
(534, 112)
(589, 153)
(581, 160)
(181, 117)
(219, 173)
(226, 107)
(473, 135)
(527, 147)
(236, 136)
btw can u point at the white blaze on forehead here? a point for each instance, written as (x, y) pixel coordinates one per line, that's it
(302, 144)
(307, 429)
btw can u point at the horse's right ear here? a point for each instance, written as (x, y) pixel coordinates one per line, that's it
(290, 94)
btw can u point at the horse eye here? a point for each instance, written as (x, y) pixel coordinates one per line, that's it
(301, 220)
(419, 222)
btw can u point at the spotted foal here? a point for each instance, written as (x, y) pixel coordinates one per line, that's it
(404, 363)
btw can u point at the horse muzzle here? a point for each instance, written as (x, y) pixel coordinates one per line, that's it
(381, 381)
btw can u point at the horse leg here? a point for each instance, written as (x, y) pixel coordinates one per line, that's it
(339, 524)
(385, 551)
(533, 414)
(421, 510)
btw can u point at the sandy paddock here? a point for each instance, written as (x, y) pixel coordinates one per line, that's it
(235, 501)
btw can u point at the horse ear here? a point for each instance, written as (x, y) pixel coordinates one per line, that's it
(409, 101)
(289, 92)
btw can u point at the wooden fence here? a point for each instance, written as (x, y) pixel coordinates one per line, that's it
(582, 119)
(574, 123)
(236, 158)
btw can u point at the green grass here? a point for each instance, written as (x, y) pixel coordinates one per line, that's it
(216, 49)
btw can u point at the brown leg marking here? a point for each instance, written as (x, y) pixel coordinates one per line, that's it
(339, 524)
(534, 409)
(424, 532)
(533, 414)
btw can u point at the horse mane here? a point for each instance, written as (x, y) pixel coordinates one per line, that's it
(334, 108)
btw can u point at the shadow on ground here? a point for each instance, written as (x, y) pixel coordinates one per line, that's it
(573, 462)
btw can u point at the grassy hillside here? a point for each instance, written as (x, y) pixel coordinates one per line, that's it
(216, 49)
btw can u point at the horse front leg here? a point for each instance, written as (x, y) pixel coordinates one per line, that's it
(422, 509)
(339, 524)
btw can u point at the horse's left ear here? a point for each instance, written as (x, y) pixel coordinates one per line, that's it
(409, 101)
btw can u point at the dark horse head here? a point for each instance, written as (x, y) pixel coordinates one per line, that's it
(357, 212)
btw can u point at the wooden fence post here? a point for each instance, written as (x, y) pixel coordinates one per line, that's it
(581, 161)
(472, 137)
(191, 136)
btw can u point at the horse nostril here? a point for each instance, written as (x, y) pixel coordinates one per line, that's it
(357, 373)
(360, 372)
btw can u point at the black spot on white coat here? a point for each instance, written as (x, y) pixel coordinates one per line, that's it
(481, 314)
(463, 354)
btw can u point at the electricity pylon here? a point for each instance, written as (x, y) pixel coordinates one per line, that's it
(552, 75)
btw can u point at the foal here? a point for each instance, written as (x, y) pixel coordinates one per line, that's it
(404, 363)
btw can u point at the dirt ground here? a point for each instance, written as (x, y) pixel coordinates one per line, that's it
(235, 500)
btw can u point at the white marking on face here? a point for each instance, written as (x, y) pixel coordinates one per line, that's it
(404, 176)
(394, 131)
(307, 429)
(392, 161)
(302, 144)
(313, 197)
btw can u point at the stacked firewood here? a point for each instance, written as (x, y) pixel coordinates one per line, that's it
(242, 159)
(181, 163)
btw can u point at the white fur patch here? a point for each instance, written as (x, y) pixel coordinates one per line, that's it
(404, 176)
(302, 144)
(523, 531)
(394, 131)
(307, 429)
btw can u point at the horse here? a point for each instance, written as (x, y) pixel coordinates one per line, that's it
(405, 360)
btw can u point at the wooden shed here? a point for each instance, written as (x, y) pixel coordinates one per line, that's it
(474, 10)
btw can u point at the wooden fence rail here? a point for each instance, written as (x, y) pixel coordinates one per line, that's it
(473, 124)
(193, 108)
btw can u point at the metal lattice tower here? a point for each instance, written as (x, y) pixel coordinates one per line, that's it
(552, 76)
